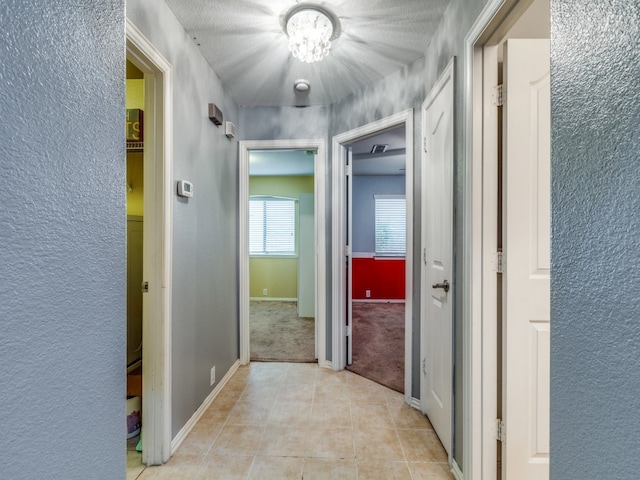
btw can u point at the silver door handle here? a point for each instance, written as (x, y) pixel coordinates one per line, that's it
(444, 285)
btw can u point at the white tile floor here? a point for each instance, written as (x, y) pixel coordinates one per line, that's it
(279, 421)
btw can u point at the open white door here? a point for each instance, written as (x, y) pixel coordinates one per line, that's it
(526, 247)
(436, 384)
(348, 253)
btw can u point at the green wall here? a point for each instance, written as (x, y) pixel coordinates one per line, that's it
(135, 180)
(278, 275)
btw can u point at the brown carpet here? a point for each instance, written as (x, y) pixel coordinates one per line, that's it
(378, 343)
(277, 334)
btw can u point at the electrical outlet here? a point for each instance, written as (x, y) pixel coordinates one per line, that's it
(367, 293)
(264, 292)
(213, 376)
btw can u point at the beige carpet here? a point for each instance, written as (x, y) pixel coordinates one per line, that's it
(378, 343)
(278, 335)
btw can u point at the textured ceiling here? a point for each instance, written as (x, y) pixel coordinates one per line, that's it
(244, 42)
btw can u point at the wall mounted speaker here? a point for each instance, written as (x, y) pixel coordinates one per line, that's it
(215, 115)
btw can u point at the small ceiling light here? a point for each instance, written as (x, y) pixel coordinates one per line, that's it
(302, 86)
(310, 29)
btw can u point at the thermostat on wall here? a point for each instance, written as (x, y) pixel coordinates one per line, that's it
(185, 188)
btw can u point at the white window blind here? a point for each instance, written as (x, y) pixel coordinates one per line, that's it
(272, 225)
(391, 229)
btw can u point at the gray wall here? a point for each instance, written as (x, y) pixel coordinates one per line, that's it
(364, 188)
(62, 240)
(205, 266)
(595, 293)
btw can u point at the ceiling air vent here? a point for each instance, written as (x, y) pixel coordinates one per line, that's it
(379, 148)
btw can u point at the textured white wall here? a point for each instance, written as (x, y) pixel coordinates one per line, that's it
(595, 247)
(62, 240)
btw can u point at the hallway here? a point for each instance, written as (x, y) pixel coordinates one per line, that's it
(279, 421)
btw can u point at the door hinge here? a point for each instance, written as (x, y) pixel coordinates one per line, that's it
(424, 255)
(347, 170)
(348, 331)
(145, 287)
(500, 430)
(498, 262)
(424, 144)
(497, 96)
(347, 250)
(424, 366)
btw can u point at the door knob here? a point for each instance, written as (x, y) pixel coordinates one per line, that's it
(444, 285)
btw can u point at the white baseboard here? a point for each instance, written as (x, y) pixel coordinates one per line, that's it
(184, 431)
(415, 403)
(369, 300)
(272, 299)
(455, 470)
(326, 364)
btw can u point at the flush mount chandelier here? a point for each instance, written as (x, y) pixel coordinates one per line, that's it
(310, 29)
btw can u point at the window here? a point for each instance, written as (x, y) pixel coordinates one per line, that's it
(272, 226)
(390, 220)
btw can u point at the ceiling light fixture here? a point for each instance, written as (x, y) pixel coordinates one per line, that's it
(310, 29)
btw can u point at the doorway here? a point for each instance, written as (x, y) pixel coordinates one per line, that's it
(157, 234)
(281, 255)
(135, 246)
(512, 384)
(317, 259)
(376, 231)
(343, 250)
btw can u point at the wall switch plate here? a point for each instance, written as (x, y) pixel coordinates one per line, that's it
(264, 292)
(213, 376)
(367, 293)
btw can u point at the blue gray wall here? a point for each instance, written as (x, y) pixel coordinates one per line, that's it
(364, 188)
(205, 266)
(62, 240)
(595, 280)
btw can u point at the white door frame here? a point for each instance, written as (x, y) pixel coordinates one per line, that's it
(158, 168)
(319, 186)
(338, 206)
(480, 240)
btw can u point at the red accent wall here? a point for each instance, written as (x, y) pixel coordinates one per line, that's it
(385, 279)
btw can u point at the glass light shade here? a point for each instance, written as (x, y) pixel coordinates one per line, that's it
(309, 33)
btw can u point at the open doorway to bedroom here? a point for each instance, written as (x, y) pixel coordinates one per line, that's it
(282, 264)
(281, 253)
(377, 206)
(350, 250)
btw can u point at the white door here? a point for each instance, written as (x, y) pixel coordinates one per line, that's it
(526, 247)
(349, 256)
(437, 237)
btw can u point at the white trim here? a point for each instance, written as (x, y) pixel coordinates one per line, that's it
(363, 255)
(184, 431)
(319, 188)
(415, 403)
(156, 353)
(455, 470)
(478, 387)
(272, 299)
(370, 300)
(338, 204)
